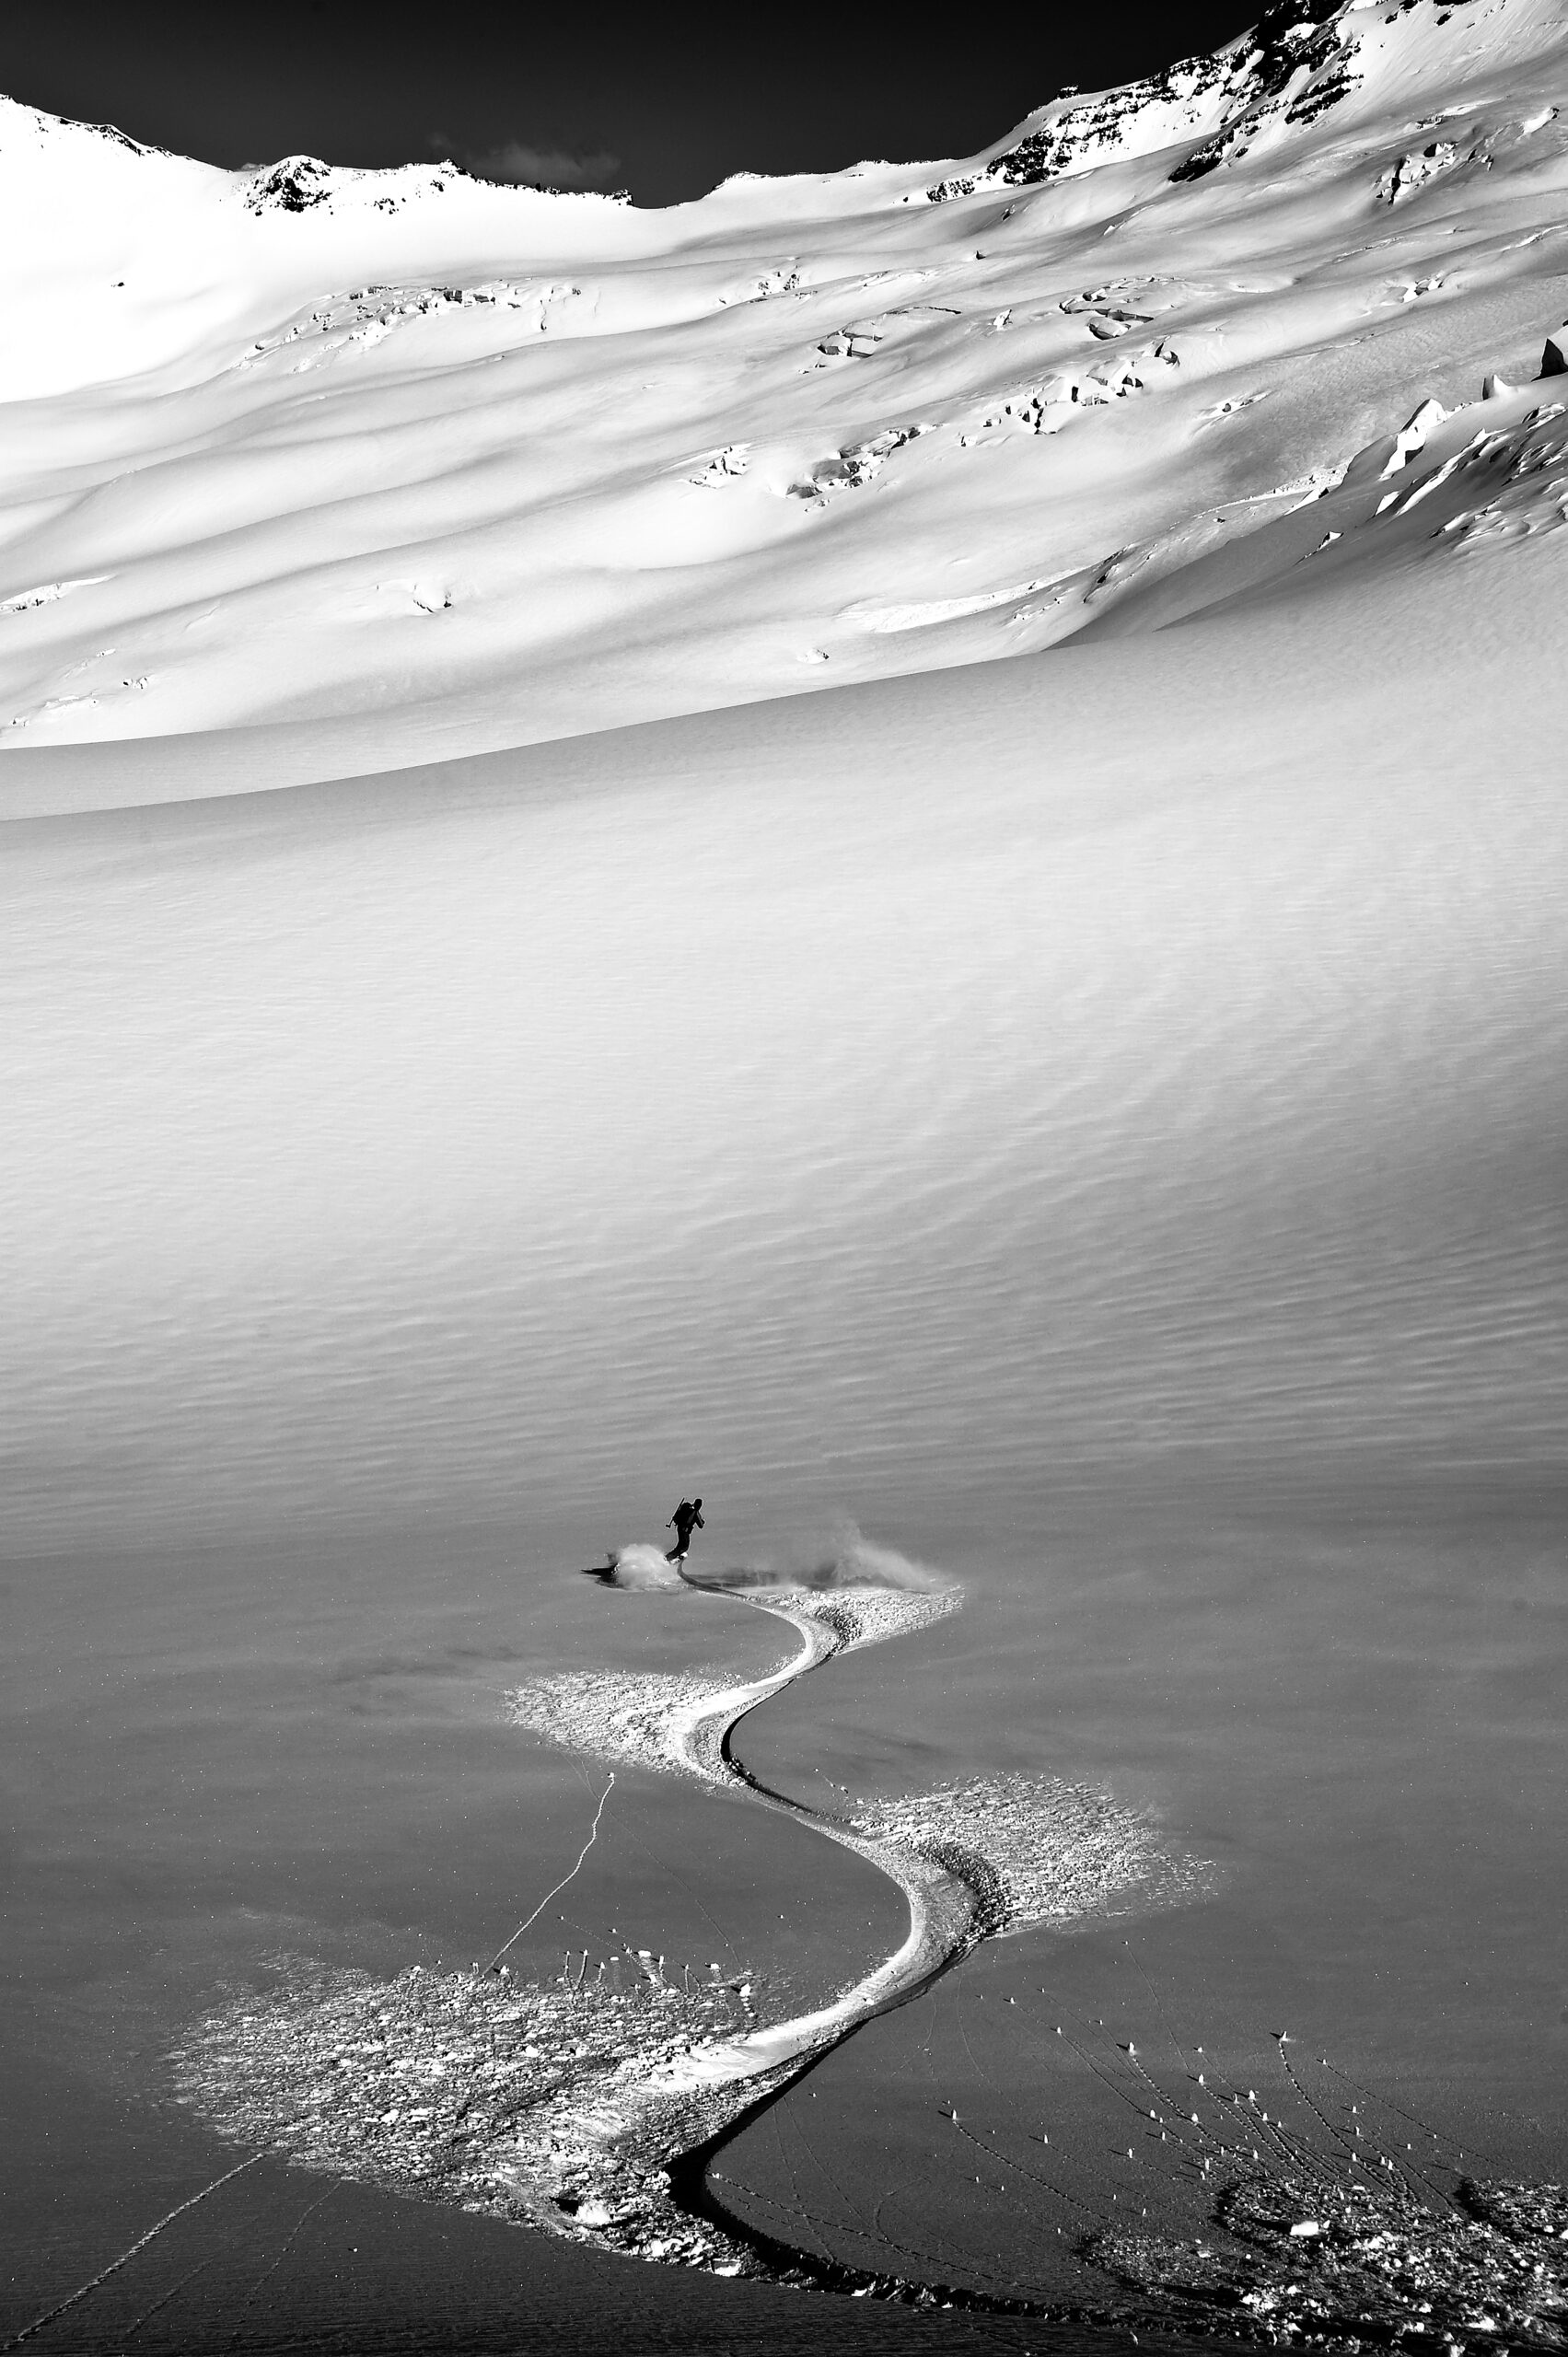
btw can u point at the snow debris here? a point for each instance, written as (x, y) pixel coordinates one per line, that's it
(366, 315)
(723, 466)
(1048, 1851)
(1377, 2254)
(571, 2107)
(664, 1721)
(614, 1714)
(857, 1616)
(528, 2097)
(856, 464)
(1105, 311)
(850, 343)
(1046, 407)
(1412, 173)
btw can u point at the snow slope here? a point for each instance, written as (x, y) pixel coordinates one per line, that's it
(1020, 1104)
(488, 465)
(882, 1096)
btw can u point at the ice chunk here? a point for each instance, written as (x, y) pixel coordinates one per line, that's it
(1411, 436)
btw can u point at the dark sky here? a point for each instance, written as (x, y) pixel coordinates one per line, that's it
(665, 101)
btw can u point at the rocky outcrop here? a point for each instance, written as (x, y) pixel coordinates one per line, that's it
(1297, 62)
(291, 186)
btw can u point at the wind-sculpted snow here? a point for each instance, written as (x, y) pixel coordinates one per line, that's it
(1489, 477)
(528, 463)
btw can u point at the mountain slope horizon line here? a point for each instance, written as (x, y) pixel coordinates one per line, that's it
(1301, 60)
(308, 445)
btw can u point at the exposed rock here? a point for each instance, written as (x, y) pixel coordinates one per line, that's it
(291, 186)
(1296, 62)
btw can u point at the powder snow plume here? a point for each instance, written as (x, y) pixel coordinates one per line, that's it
(839, 1557)
(640, 1565)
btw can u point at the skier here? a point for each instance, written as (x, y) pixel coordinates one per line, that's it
(687, 1517)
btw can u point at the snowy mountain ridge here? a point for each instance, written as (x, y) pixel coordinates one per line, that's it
(306, 440)
(1297, 62)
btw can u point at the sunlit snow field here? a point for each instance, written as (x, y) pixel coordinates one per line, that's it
(1130, 1184)
(468, 466)
(1095, 1123)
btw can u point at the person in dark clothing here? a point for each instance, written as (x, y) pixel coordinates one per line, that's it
(687, 1517)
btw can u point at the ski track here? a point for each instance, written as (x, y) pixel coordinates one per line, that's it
(596, 2112)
